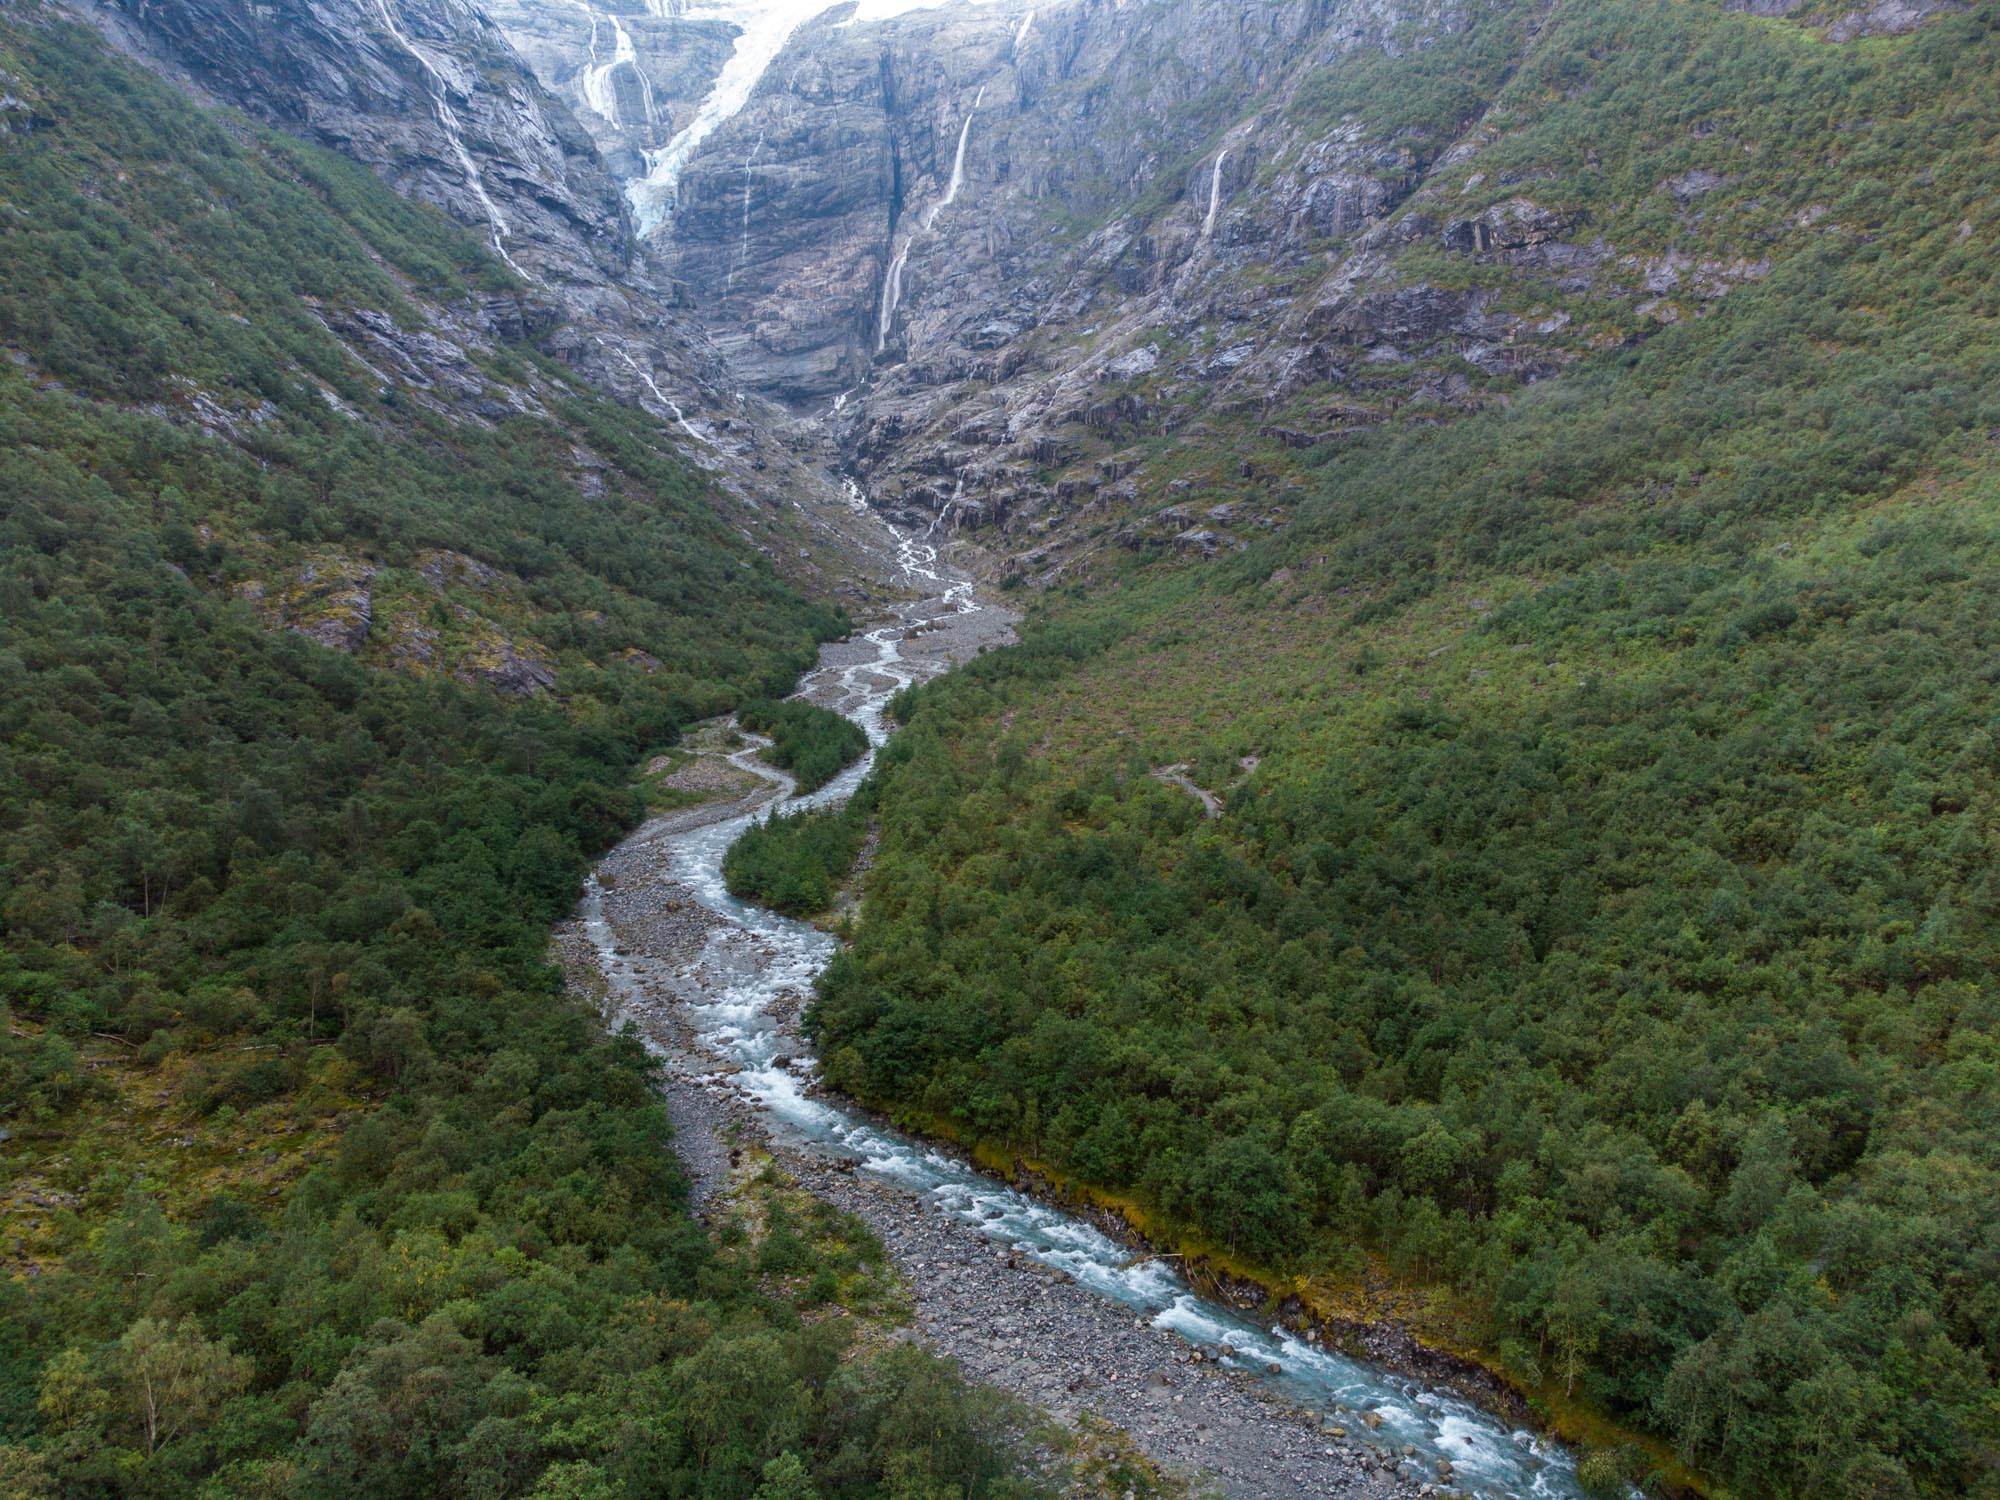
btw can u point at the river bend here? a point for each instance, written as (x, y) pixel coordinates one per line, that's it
(721, 997)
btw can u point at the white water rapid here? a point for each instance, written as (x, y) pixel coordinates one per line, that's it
(440, 89)
(892, 283)
(1214, 194)
(756, 965)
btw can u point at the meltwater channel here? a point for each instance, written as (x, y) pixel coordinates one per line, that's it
(736, 1018)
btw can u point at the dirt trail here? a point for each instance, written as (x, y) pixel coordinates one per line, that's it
(1179, 776)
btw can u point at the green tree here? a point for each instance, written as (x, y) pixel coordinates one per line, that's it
(786, 1478)
(174, 1377)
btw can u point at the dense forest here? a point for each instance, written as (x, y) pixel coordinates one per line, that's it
(1556, 866)
(1601, 919)
(319, 1183)
(796, 862)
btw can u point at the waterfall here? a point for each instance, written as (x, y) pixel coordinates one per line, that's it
(892, 293)
(892, 284)
(764, 34)
(598, 83)
(957, 494)
(1021, 35)
(448, 118)
(743, 251)
(765, 26)
(628, 56)
(957, 163)
(591, 81)
(680, 419)
(600, 90)
(1214, 194)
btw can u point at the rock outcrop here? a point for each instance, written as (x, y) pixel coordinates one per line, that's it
(633, 72)
(992, 249)
(1029, 269)
(433, 96)
(427, 92)
(991, 254)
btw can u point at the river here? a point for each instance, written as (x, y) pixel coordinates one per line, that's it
(734, 979)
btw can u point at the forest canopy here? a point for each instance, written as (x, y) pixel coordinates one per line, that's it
(324, 1185)
(1601, 918)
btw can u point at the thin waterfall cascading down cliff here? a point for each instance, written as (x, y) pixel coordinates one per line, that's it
(892, 284)
(957, 182)
(892, 293)
(448, 117)
(629, 55)
(1214, 195)
(597, 84)
(588, 76)
(593, 81)
(672, 406)
(764, 34)
(743, 248)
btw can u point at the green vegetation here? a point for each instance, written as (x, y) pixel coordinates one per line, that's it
(1429, 88)
(1602, 918)
(320, 1184)
(794, 862)
(815, 744)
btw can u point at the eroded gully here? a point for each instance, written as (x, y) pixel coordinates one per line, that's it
(1023, 1294)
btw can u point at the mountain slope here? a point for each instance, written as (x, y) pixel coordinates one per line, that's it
(1497, 795)
(431, 96)
(1190, 229)
(334, 625)
(1597, 922)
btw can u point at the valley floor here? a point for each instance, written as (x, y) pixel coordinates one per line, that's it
(1007, 1320)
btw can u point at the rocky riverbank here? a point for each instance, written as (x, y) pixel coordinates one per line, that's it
(1019, 1325)
(1006, 1318)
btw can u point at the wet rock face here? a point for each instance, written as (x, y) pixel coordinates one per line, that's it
(367, 78)
(631, 72)
(970, 220)
(989, 245)
(813, 228)
(433, 96)
(1117, 180)
(781, 228)
(975, 251)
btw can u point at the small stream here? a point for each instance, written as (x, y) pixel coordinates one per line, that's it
(758, 961)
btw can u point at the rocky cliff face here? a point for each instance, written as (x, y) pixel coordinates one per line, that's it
(1063, 273)
(432, 95)
(1004, 245)
(993, 247)
(633, 72)
(1045, 268)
